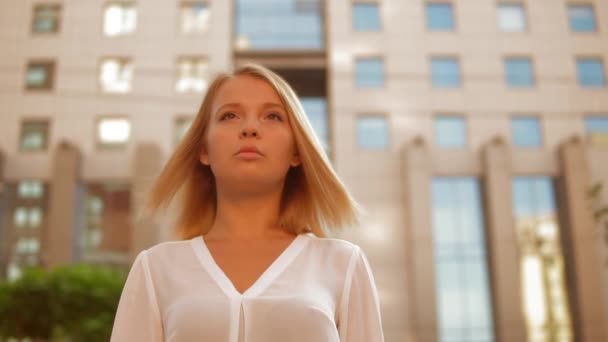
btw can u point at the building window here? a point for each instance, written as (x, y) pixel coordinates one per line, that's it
(194, 17)
(526, 131)
(40, 75)
(181, 127)
(192, 74)
(596, 127)
(30, 189)
(25, 217)
(519, 72)
(116, 75)
(590, 72)
(34, 135)
(113, 133)
(543, 285)
(107, 222)
(316, 111)
(279, 25)
(464, 304)
(450, 131)
(366, 17)
(511, 17)
(119, 19)
(369, 72)
(439, 16)
(445, 72)
(372, 132)
(582, 18)
(46, 18)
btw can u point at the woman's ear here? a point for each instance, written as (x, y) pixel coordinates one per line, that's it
(295, 160)
(204, 157)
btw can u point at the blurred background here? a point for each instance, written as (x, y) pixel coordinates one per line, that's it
(474, 132)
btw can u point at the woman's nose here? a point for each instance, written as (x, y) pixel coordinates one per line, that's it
(250, 128)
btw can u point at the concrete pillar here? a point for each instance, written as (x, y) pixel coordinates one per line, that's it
(147, 165)
(419, 242)
(583, 255)
(503, 249)
(58, 240)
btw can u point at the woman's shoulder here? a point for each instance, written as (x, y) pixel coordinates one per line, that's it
(333, 245)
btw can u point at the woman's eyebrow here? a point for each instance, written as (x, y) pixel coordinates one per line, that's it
(264, 105)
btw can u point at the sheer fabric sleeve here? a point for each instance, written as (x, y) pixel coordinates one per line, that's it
(359, 316)
(138, 317)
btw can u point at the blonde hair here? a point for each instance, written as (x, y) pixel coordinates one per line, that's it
(313, 200)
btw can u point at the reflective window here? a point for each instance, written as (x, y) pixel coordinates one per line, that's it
(39, 75)
(34, 135)
(194, 17)
(543, 280)
(511, 17)
(119, 19)
(526, 131)
(27, 246)
(372, 132)
(30, 189)
(597, 129)
(464, 304)
(582, 18)
(107, 225)
(182, 125)
(369, 72)
(439, 17)
(113, 132)
(518, 72)
(366, 17)
(116, 75)
(278, 24)
(450, 131)
(192, 74)
(590, 72)
(316, 111)
(46, 18)
(445, 72)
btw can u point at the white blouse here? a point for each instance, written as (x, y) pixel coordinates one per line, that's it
(318, 289)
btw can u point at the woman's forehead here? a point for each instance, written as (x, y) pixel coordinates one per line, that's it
(245, 89)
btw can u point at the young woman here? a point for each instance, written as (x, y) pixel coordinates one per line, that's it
(257, 200)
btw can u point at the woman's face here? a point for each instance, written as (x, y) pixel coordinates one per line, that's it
(247, 112)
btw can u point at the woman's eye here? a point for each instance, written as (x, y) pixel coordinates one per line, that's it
(278, 117)
(226, 114)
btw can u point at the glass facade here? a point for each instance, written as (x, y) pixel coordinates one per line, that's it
(120, 18)
(107, 219)
(519, 72)
(27, 208)
(279, 25)
(39, 76)
(464, 305)
(46, 18)
(366, 17)
(116, 75)
(316, 111)
(450, 131)
(525, 131)
(596, 127)
(439, 17)
(582, 18)
(445, 72)
(369, 72)
(34, 135)
(372, 132)
(543, 280)
(590, 72)
(511, 17)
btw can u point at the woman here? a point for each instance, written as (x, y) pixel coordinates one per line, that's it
(257, 195)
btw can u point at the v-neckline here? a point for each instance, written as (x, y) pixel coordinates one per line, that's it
(264, 280)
